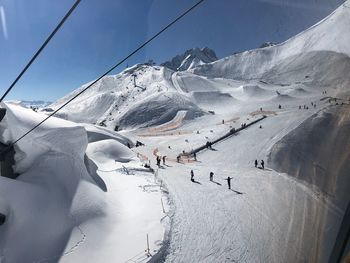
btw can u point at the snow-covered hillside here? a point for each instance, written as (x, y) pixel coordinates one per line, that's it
(30, 103)
(79, 189)
(190, 59)
(96, 201)
(329, 37)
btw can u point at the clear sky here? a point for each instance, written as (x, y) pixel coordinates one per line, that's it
(101, 32)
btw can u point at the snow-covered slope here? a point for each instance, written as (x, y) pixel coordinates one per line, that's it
(329, 35)
(301, 153)
(191, 58)
(139, 96)
(72, 195)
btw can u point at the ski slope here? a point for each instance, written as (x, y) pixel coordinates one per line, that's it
(276, 219)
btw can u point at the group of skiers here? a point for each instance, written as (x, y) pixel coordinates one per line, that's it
(228, 179)
(159, 159)
(211, 178)
(307, 107)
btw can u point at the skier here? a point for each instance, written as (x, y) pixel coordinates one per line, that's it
(262, 164)
(178, 158)
(195, 156)
(229, 182)
(158, 161)
(299, 107)
(211, 176)
(192, 176)
(223, 121)
(279, 106)
(256, 163)
(164, 159)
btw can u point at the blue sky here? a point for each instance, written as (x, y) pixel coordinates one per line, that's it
(101, 32)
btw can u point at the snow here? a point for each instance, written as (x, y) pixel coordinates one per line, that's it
(84, 195)
(30, 103)
(72, 201)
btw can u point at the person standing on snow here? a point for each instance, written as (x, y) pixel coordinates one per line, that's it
(211, 176)
(262, 164)
(192, 176)
(256, 163)
(164, 159)
(228, 179)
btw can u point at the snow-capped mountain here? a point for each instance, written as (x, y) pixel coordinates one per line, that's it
(267, 44)
(313, 56)
(191, 58)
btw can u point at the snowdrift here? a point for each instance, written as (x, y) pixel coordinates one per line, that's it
(48, 137)
(318, 152)
(109, 150)
(53, 194)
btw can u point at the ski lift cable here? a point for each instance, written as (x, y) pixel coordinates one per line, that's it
(107, 72)
(41, 48)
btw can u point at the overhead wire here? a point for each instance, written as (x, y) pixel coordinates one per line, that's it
(106, 73)
(37, 53)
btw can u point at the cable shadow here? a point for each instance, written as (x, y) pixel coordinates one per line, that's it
(196, 182)
(215, 182)
(237, 192)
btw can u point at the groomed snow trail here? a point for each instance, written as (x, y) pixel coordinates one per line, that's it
(276, 219)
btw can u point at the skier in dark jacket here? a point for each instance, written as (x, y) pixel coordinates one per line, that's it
(262, 164)
(192, 176)
(229, 182)
(256, 163)
(211, 176)
(164, 159)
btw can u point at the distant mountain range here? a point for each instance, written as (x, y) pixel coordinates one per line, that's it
(30, 103)
(191, 58)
